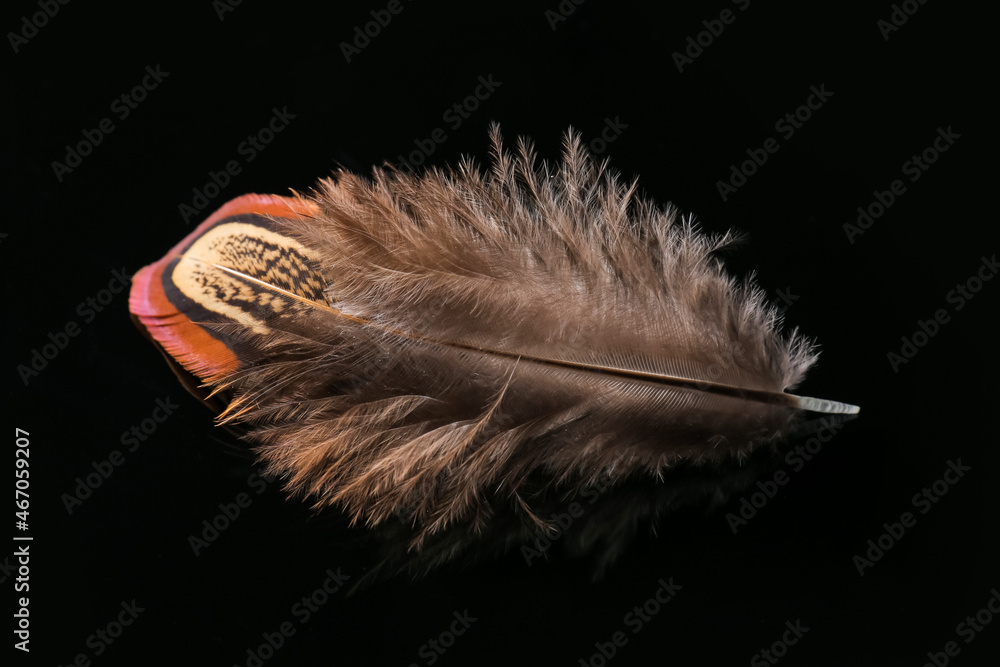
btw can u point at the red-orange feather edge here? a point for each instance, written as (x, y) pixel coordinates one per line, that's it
(189, 344)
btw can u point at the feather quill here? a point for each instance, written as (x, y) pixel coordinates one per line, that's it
(432, 347)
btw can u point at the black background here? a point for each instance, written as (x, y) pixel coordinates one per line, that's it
(682, 130)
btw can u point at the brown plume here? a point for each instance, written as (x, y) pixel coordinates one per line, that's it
(480, 340)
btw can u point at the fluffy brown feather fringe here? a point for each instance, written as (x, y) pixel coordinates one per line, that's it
(488, 300)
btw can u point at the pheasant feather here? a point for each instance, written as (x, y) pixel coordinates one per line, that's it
(430, 346)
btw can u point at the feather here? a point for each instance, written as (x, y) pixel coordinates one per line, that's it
(430, 348)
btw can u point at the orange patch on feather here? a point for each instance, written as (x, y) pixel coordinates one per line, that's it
(190, 345)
